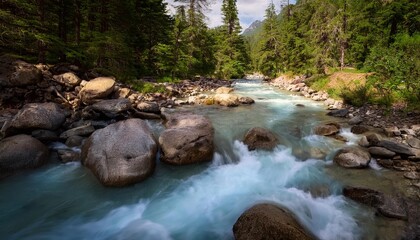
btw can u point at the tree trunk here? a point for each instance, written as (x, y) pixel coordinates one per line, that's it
(343, 44)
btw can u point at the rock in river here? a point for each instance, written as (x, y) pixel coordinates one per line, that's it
(327, 129)
(96, 89)
(260, 138)
(227, 100)
(188, 139)
(21, 151)
(352, 157)
(267, 221)
(123, 153)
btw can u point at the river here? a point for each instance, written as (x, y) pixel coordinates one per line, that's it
(65, 201)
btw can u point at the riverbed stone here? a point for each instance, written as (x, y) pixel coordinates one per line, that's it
(20, 152)
(121, 154)
(246, 100)
(373, 139)
(267, 221)
(359, 129)
(363, 142)
(355, 120)
(338, 113)
(381, 152)
(224, 90)
(148, 107)
(227, 100)
(188, 139)
(97, 88)
(83, 130)
(39, 115)
(260, 138)
(68, 79)
(352, 157)
(327, 129)
(397, 147)
(112, 107)
(414, 142)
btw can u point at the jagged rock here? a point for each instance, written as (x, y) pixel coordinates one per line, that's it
(121, 154)
(39, 115)
(20, 152)
(246, 100)
(359, 129)
(327, 129)
(396, 147)
(260, 138)
(352, 157)
(227, 100)
(96, 89)
(68, 79)
(188, 139)
(338, 113)
(224, 90)
(112, 107)
(414, 142)
(381, 152)
(267, 221)
(148, 107)
(78, 131)
(18, 73)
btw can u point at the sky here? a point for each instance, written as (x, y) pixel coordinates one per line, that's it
(249, 11)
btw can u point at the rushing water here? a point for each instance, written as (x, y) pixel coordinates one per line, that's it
(65, 201)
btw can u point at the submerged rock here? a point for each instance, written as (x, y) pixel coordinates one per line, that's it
(246, 100)
(39, 115)
(260, 138)
(122, 153)
(20, 152)
(352, 157)
(188, 139)
(267, 221)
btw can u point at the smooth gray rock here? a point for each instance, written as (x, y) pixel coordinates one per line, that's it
(39, 115)
(121, 154)
(352, 157)
(260, 138)
(396, 147)
(381, 152)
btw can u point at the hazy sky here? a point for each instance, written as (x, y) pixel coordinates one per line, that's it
(249, 11)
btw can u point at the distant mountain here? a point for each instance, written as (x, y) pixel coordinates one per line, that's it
(252, 28)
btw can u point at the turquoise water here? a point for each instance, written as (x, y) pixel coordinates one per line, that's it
(65, 201)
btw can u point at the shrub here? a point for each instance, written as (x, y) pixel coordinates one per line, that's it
(358, 96)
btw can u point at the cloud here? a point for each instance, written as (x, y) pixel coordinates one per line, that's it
(249, 11)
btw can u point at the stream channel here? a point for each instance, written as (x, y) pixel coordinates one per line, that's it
(203, 201)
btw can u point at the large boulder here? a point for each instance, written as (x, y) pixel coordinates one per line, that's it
(68, 79)
(188, 139)
(122, 153)
(97, 88)
(397, 147)
(39, 115)
(327, 129)
(267, 221)
(352, 157)
(20, 152)
(381, 152)
(18, 73)
(227, 100)
(260, 138)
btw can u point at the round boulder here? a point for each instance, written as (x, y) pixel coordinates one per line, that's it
(267, 221)
(227, 100)
(17, 73)
(39, 115)
(122, 153)
(260, 138)
(21, 151)
(97, 88)
(352, 157)
(327, 129)
(188, 139)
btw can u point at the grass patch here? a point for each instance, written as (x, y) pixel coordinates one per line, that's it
(168, 79)
(146, 87)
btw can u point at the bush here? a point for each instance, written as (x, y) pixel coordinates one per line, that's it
(358, 96)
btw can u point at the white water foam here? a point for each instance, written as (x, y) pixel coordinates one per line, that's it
(207, 205)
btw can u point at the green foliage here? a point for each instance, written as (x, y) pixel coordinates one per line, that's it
(358, 96)
(146, 87)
